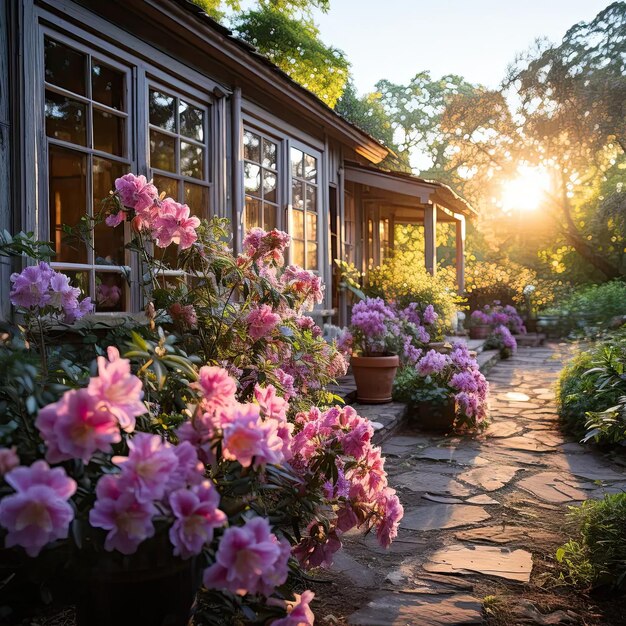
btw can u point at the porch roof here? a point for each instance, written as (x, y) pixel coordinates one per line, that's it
(425, 191)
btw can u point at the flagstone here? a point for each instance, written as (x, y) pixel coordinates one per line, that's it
(431, 482)
(506, 534)
(482, 498)
(552, 487)
(491, 477)
(502, 428)
(440, 516)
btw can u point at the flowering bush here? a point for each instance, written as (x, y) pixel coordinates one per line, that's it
(495, 315)
(502, 339)
(199, 426)
(439, 378)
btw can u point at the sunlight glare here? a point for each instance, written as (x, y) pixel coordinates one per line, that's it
(527, 192)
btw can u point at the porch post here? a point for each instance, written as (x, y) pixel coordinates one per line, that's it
(430, 236)
(460, 254)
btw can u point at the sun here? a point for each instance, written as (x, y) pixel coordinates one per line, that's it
(526, 192)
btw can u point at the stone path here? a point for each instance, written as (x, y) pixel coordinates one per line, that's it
(482, 514)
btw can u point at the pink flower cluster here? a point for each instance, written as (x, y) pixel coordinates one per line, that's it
(304, 284)
(261, 321)
(432, 362)
(88, 420)
(266, 247)
(299, 613)
(167, 221)
(38, 512)
(360, 494)
(495, 315)
(502, 336)
(156, 477)
(39, 288)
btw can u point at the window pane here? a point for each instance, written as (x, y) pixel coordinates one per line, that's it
(107, 86)
(167, 185)
(270, 149)
(298, 252)
(108, 133)
(110, 292)
(297, 198)
(296, 163)
(310, 168)
(252, 215)
(251, 146)
(269, 186)
(311, 198)
(197, 197)
(66, 119)
(311, 256)
(162, 110)
(311, 226)
(108, 242)
(269, 216)
(162, 151)
(298, 224)
(67, 186)
(252, 178)
(191, 121)
(191, 160)
(65, 67)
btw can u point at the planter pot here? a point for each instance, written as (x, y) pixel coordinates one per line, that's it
(374, 377)
(531, 324)
(433, 416)
(479, 332)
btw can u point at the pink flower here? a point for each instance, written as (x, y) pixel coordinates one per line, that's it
(136, 192)
(216, 387)
(117, 510)
(188, 471)
(30, 288)
(196, 516)
(118, 389)
(8, 459)
(300, 613)
(319, 548)
(115, 219)
(147, 468)
(173, 224)
(261, 321)
(250, 559)
(77, 426)
(271, 404)
(38, 512)
(251, 440)
(392, 512)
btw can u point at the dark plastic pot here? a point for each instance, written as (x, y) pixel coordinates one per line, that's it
(433, 416)
(374, 377)
(479, 332)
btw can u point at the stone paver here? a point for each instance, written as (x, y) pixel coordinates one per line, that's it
(476, 507)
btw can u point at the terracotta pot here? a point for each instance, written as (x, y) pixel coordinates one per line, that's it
(479, 332)
(433, 416)
(374, 377)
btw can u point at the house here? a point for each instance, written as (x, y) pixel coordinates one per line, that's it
(90, 90)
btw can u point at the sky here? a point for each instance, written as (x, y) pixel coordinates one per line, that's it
(394, 39)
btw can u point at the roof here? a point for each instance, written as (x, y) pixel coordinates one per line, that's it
(426, 190)
(375, 150)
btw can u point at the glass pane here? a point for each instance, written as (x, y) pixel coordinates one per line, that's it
(107, 86)
(197, 197)
(108, 133)
(191, 121)
(162, 151)
(311, 198)
(252, 215)
(298, 224)
(298, 252)
(110, 292)
(167, 185)
(310, 168)
(162, 110)
(269, 216)
(108, 242)
(252, 178)
(311, 256)
(191, 160)
(270, 150)
(67, 187)
(269, 186)
(297, 198)
(66, 119)
(65, 67)
(251, 146)
(311, 226)
(296, 163)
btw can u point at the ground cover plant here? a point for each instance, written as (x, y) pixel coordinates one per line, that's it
(201, 435)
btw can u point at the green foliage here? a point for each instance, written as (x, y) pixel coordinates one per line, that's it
(598, 554)
(411, 388)
(24, 244)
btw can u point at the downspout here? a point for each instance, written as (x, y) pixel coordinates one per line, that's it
(237, 169)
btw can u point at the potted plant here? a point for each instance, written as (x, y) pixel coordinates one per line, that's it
(501, 339)
(376, 333)
(444, 391)
(479, 325)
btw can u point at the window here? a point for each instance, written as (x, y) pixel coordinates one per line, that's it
(383, 237)
(350, 229)
(260, 181)
(87, 124)
(305, 209)
(178, 135)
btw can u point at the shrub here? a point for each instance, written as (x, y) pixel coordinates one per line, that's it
(598, 554)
